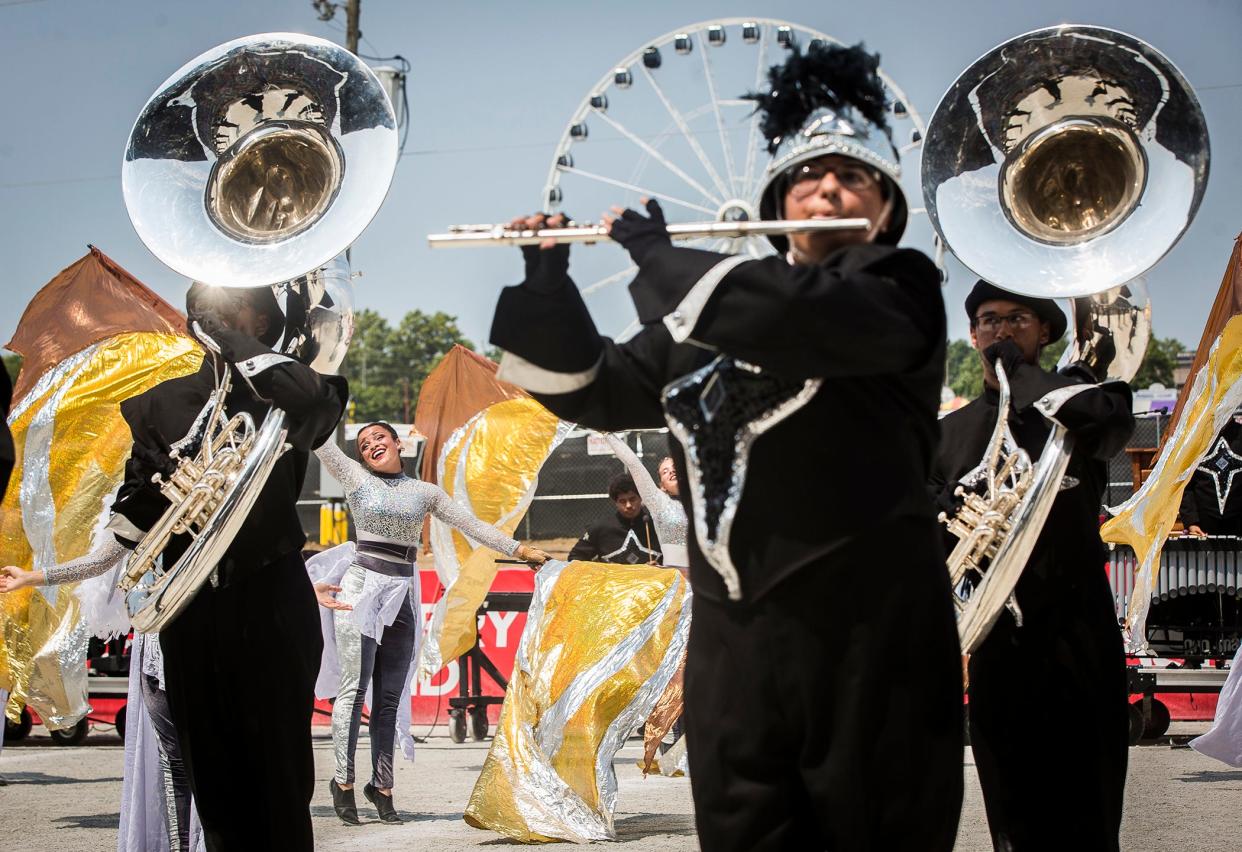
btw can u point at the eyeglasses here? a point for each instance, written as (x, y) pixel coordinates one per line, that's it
(991, 323)
(804, 179)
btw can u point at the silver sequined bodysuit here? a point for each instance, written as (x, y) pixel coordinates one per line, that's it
(667, 513)
(392, 510)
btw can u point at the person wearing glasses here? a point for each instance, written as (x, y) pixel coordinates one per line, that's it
(768, 374)
(1049, 692)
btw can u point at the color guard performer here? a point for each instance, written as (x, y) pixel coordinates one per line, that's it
(1065, 660)
(815, 553)
(379, 609)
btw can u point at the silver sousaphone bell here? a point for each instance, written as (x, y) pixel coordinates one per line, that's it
(1064, 163)
(257, 164)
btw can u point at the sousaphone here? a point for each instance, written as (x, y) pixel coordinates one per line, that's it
(256, 164)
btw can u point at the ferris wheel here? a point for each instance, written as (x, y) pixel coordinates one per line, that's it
(668, 121)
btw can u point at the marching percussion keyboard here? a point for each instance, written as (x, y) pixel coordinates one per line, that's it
(1196, 605)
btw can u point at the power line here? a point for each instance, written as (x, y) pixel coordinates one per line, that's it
(19, 2)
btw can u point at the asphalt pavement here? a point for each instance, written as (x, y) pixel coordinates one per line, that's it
(62, 798)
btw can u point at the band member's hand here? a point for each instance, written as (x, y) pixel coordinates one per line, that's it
(640, 235)
(533, 555)
(13, 578)
(1196, 531)
(1007, 353)
(326, 593)
(547, 264)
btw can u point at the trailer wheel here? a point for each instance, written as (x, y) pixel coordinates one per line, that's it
(457, 725)
(72, 736)
(1136, 722)
(120, 722)
(478, 723)
(19, 730)
(1158, 723)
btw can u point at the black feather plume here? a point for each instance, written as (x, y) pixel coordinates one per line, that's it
(824, 76)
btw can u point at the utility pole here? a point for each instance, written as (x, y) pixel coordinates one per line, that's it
(405, 398)
(353, 9)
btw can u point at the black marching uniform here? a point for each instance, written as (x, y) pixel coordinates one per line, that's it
(626, 541)
(1044, 786)
(242, 657)
(815, 723)
(1211, 501)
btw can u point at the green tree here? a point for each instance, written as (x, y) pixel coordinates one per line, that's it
(1052, 353)
(1158, 363)
(13, 363)
(963, 369)
(384, 361)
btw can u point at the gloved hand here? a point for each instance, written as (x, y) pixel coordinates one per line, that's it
(1007, 353)
(547, 267)
(641, 235)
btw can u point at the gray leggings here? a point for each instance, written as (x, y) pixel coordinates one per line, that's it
(384, 665)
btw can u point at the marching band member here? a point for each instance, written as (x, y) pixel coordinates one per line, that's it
(627, 536)
(837, 349)
(253, 636)
(661, 501)
(1068, 642)
(378, 622)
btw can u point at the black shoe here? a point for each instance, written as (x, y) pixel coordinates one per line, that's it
(343, 803)
(383, 804)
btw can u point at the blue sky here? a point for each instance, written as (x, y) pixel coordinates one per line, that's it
(492, 88)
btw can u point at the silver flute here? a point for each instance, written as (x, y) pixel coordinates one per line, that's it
(469, 236)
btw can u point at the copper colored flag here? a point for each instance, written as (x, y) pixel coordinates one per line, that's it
(1228, 304)
(462, 384)
(89, 301)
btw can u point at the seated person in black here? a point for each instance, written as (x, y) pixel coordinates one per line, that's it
(240, 660)
(1211, 505)
(627, 536)
(1044, 791)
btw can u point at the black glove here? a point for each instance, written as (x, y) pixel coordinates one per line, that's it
(642, 235)
(547, 270)
(1007, 353)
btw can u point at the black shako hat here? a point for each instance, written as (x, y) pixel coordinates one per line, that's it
(1045, 309)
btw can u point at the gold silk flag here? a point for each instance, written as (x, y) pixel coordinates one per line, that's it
(72, 445)
(1204, 406)
(601, 644)
(490, 466)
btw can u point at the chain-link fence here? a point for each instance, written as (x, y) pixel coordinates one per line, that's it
(573, 483)
(1148, 429)
(572, 492)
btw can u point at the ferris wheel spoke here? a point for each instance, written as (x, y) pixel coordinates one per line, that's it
(643, 191)
(687, 133)
(659, 158)
(710, 78)
(752, 137)
(608, 279)
(629, 331)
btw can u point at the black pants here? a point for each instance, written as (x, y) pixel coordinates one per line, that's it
(828, 715)
(384, 665)
(1049, 722)
(239, 670)
(177, 781)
